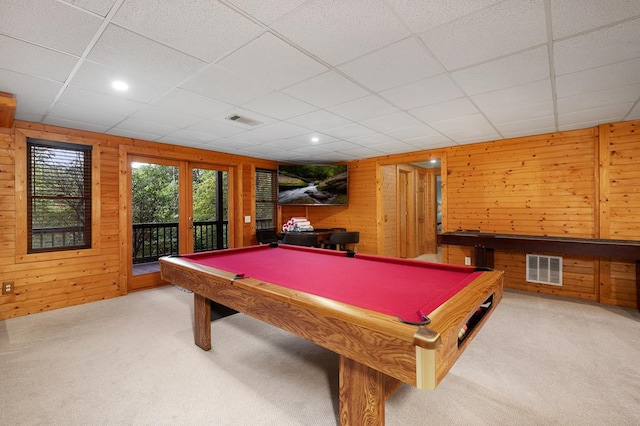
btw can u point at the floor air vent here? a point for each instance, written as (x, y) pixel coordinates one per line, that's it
(243, 120)
(544, 269)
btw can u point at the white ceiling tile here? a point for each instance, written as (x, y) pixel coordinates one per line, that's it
(25, 85)
(475, 135)
(436, 140)
(225, 86)
(536, 126)
(192, 104)
(98, 78)
(571, 17)
(430, 91)
(81, 114)
(372, 140)
(49, 23)
(27, 58)
(364, 108)
(215, 129)
(594, 49)
(362, 152)
(592, 117)
(98, 103)
(285, 144)
(474, 121)
(99, 7)
(326, 90)
(445, 110)
(163, 116)
(338, 31)
(348, 131)
(129, 52)
(601, 78)
(393, 147)
(320, 120)
(395, 121)
(272, 62)
(152, 129)
(32, 107)
(407, 134)
(54, 121)
(426, 14)
(270, 132)
(490, 33)
(267, 12)
(321, 139)
(513, 70)
(183, 136)
(411, 62)
(279, 105)
(520, 112)
(602, 98)
(635, 113)
(225, 144)
(204, 29)
(505, 99)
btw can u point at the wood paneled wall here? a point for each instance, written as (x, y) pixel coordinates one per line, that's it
(581, 183)
(53, 280)
(619, 206)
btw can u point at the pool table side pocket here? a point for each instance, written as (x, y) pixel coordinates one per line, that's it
(448, 319)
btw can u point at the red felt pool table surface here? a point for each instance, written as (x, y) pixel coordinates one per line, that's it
(405, 289)
(349, 305)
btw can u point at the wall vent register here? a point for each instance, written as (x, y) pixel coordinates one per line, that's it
(544, 269)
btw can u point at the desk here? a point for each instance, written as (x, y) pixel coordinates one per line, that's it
(485, 244)
(350, 304)
(321, 233)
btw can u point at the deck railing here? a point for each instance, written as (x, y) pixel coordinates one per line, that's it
(152, 240)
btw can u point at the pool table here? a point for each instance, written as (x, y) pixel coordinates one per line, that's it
(392, 321)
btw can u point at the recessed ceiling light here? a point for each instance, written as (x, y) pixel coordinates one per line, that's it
(120, 86)
(315, 139)
(434, 161)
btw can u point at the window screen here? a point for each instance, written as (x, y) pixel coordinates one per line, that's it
(58, 196)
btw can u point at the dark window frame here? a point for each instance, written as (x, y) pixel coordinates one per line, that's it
(65, 237)
(266, 199)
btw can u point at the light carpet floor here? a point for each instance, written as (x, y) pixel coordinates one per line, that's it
(132, 361)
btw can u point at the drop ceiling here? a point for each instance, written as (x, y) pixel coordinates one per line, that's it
(323, 80)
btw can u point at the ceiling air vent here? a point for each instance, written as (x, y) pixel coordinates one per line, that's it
(243, 120)
(544, 269)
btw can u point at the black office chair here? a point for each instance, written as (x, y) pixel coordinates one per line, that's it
(267, 236)
(300, 239)
(342, 240)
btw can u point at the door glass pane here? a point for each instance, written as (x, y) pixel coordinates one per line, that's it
(154, 213)
(210, 209)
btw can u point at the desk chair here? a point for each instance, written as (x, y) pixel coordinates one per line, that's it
(341, 240)
(267, 236)
(300, 239)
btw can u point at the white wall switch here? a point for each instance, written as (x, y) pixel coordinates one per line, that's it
(247, 219)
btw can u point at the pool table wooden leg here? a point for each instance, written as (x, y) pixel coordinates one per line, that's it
(202, 321)
(363, 392)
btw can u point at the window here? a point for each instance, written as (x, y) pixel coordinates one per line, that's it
(58, 196)
(266, 199)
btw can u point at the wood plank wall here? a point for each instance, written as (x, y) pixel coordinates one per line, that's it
(541, 185)
(619, 206)
(54, 280)
(580, 183)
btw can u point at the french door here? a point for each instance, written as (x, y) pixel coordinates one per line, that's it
(177, 207)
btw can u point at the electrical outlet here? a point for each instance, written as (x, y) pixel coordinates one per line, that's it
(467, 261)
(7, 287)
